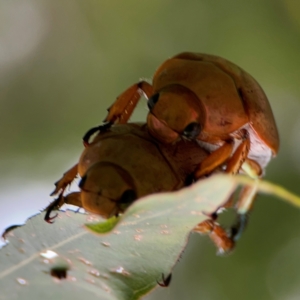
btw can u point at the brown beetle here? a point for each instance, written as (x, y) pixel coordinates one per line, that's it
(125, 163)
(209, 99)
(205, 97)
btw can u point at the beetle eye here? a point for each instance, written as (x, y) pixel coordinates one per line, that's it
(152, 101)
(126, 199)
(192, 130)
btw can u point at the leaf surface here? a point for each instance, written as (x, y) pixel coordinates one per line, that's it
(125, 263)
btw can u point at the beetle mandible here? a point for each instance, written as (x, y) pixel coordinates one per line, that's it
(124, 163)
(209, 99)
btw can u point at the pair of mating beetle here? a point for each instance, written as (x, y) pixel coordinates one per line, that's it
(205, 115)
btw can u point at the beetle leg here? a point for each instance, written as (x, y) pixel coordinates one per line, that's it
(122, 108)
(73, 198)
(214, 160)
(246, 198)
(243, 207)
(217, 234)
(57, 203)
(67, 178)
(101, 128)
(219, 156)
(252, 168)
(234, 164)
(60, 186)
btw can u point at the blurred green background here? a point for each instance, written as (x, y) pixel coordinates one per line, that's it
(62, 63)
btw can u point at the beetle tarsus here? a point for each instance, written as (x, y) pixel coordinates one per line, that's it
(54, 205)
(217, 234)
(66, 180)
(93, 130)
(50, 219)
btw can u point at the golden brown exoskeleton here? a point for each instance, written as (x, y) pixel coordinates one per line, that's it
(209, 99)
(125, 163)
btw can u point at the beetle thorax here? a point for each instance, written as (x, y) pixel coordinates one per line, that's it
(222, 107)
(103, 186)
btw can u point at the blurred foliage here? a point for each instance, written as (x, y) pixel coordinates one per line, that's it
(62, 63)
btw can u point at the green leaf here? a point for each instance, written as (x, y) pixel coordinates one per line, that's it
(124, 264)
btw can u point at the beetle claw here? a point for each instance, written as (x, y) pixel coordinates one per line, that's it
(47, 218)
(55, 204)
(50, 219)
(93, 130)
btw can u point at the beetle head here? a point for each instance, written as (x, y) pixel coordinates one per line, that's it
(175, 112)
(107, 189)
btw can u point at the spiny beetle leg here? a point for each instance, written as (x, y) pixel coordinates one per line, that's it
(52, 206)
(214, 160)
(217, 234)
(236, 161)
(123, 107)
(246, 199)
(67, 179)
